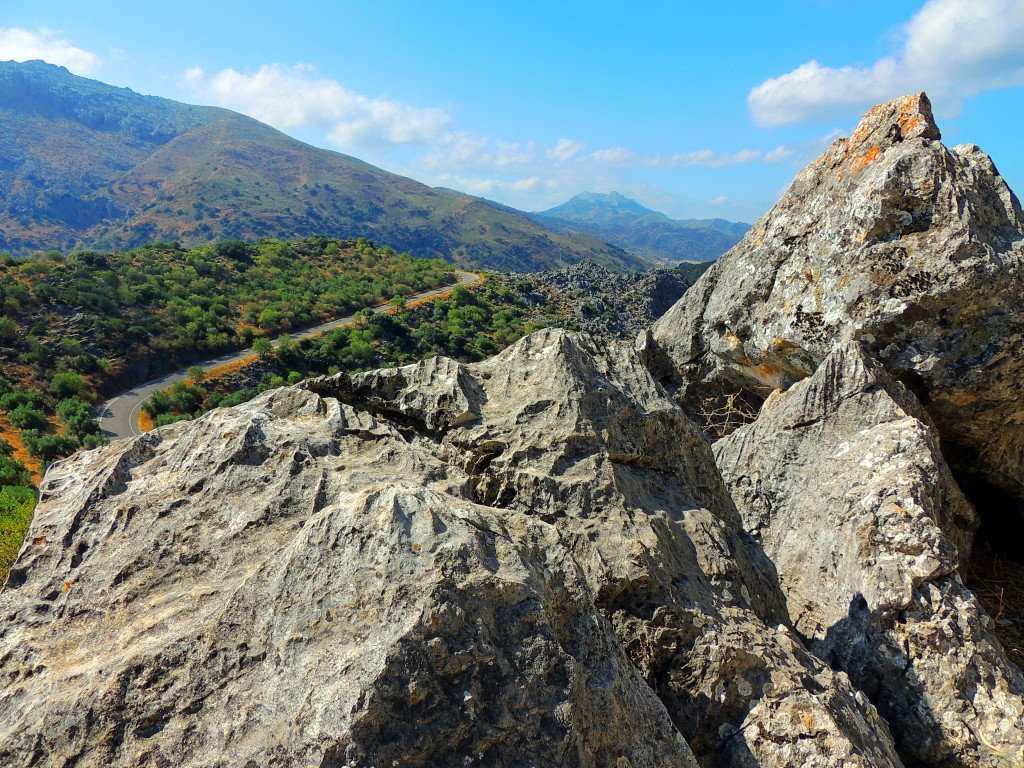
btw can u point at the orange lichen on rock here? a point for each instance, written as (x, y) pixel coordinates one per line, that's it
(888, 124)
(872, 155)
(915, 118)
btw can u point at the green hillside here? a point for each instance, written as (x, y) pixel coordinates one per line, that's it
(87, 165)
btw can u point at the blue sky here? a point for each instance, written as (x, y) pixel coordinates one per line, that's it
(695, 109)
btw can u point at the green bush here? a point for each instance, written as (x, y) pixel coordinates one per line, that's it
(27, 417)
(68, 384)
(49, 448)
(13, 472)
(16, 505)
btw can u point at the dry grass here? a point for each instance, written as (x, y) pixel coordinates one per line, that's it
(146, 423)
(999, 584)
(724, 414)
(229, 368)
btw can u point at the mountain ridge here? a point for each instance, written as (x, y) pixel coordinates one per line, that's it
(639, 230)
(87, 165)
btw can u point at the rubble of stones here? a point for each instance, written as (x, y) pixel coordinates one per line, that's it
(539, 559)
(601, 302)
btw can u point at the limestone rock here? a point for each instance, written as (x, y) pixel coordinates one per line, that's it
(892, 239)
(842, 481)
(531, 560)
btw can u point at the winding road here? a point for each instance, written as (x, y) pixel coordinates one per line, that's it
(119, 416)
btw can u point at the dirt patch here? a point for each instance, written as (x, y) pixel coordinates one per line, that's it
(13, 436)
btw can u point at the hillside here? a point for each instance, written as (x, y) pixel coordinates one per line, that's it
(91, 323)
(87, 165)
(640, 231)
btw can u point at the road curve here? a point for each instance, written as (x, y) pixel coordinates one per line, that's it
(119, 416)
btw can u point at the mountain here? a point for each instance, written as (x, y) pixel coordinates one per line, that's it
(640, 231)
(86, 165)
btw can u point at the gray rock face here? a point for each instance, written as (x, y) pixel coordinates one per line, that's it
(842, 481)
(606, 303)
(892, 239)
(527, 561)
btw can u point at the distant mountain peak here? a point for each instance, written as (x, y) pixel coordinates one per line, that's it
(588, 206)
(649, 234)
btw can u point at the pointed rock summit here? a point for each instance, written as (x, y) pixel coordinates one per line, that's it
(891, 239)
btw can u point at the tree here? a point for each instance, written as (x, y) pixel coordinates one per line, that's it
(27, 417)
(68, 384)
(8, 329)
(196, 373)
(262, 347)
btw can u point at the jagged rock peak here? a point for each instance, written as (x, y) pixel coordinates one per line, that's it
(892, 239)
(909, 117)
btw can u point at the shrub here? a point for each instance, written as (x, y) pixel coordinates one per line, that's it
(27, 417)
(16, 505)
(13, 472)
(68, 384)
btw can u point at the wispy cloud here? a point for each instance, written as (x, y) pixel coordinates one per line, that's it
(720, 200)
(955, 49)
(290, 97)
(703, 158)
(620, 156)
(565, 150)
(483, 187)
(26, 45)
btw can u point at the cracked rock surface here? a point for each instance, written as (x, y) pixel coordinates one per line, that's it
(531, 560)
(892, 239)
(842, 481)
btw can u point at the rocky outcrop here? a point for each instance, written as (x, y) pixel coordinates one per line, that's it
(891, 239)
(531, 560)
(842, 481)
(601, 302)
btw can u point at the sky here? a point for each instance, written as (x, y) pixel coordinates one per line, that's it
(695, 109)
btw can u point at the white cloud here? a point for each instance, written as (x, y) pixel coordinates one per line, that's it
(462, 149)
(484, 187)
(954, 49)
(565, 150)
(778, 155)
(514, 153)
(704, 158)
(296, 97)
(720, 200)
(26, 45)
(613, 156)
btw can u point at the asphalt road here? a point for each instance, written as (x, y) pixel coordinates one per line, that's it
(119, 416)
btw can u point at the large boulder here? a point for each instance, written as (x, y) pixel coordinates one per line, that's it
(531, 560)
(892, 239)
(842, 481)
